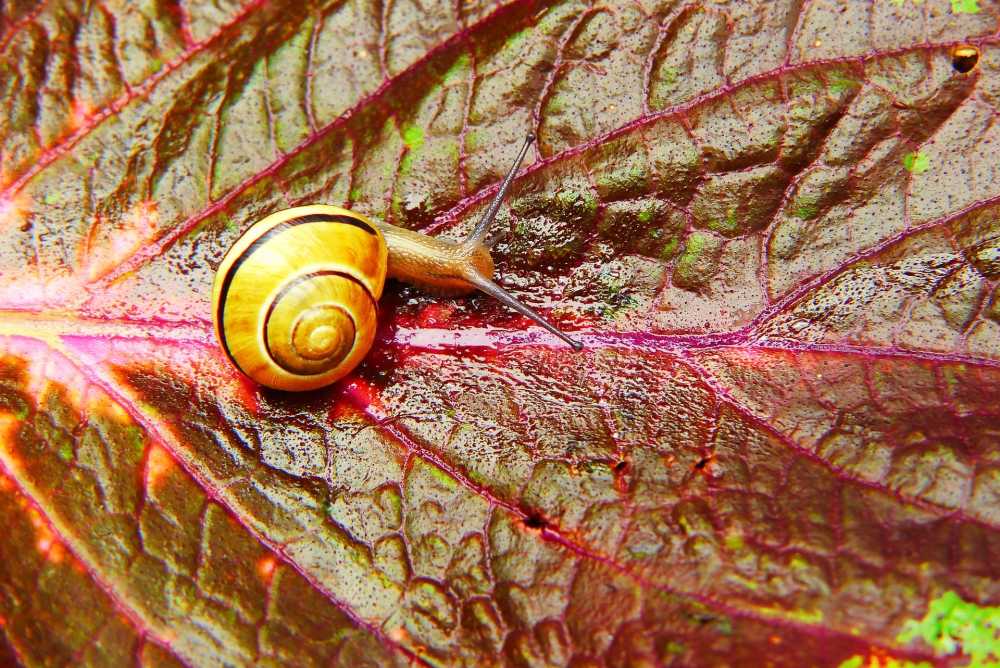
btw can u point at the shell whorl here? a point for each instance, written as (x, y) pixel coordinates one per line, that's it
(295, 298)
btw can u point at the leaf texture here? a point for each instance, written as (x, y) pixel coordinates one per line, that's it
(774, 225)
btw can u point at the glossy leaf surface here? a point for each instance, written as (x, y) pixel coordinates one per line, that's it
(774, 225)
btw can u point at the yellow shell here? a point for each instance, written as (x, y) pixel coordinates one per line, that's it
(295, 298)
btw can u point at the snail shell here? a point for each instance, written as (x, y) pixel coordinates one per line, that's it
(295, 299)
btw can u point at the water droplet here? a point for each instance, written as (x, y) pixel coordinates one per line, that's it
(964, 58)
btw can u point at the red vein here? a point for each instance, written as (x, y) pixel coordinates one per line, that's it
(82, 555)
(451, 216)
(26, 20)
(553, 533)
(877, 353)
(199, 333)
(679, 345)
(49, 155)
(32, 325)
(184, 21)
(806, 286)
(445, 340)
(761, 424)
(553, 74)
(792, 37)
(163, 438)
(160, 245)
(14, 649)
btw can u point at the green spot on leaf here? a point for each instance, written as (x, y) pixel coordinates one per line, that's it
(952, 625)
(807, 616)
(569, 199)
(471, 140)
(964, 6)
(730, 225)
(65, 452)
(674, 647)
(515, 40)
(669, 249)
(916, 163)
(840, 83)
(556, 104)
(457, 69)
(413, 136)
(669, 75)
(881, 662)
(136, 438)
(797, 563)
(640, 552)
(15, 404)
(615, 295)
(806, 208)
(692, 249)
(442, 478)
(628, 180)
(811, 617)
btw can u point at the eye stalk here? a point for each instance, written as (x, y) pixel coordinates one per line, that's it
(447, 268)
(475, 242)
(482, 228)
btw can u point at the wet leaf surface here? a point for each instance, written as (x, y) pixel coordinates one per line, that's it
(774, 225)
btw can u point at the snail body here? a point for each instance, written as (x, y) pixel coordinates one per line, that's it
(295, 300)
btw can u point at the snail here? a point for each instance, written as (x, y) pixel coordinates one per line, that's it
(295, 298)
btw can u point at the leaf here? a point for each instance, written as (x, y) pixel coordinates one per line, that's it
(780, 243)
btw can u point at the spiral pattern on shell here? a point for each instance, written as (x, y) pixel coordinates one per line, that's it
(295, 298)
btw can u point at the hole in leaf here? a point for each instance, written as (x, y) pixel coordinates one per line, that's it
(620, 466)
(964, 58)
(534, 521)
(702, 463)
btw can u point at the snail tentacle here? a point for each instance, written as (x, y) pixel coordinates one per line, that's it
(480, 233)
(487, 286)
